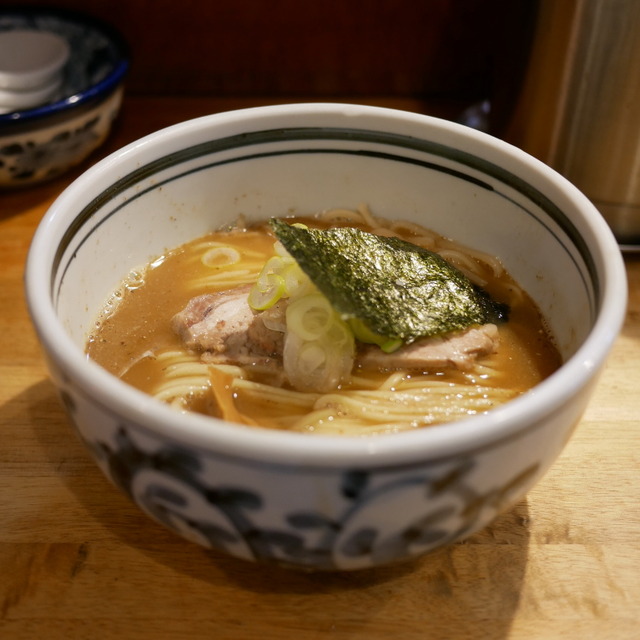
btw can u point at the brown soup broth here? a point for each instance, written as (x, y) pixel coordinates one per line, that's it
(135, 325)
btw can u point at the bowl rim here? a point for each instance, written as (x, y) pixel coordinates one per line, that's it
(84, 96)
(233, 441)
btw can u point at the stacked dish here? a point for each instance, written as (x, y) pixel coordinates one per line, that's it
(61, 85)
(31, 68)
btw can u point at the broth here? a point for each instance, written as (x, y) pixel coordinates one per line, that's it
(134, 340)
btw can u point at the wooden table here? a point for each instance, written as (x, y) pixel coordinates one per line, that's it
(77, 560)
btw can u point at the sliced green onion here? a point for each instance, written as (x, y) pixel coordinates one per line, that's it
(266, 292)
(275, 264)
(391, 345)
(311, 358)
(296, 281)
(339, 334)
(310, 316)
(281, 252)
(364, 334)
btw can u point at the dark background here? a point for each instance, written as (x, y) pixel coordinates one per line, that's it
(457, 50)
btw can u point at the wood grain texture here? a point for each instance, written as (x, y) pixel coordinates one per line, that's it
(77, 560)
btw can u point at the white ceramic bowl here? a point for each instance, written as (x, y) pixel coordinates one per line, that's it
(323, 502)
(78, 108)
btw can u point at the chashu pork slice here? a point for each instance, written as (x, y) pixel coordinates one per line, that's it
(460, 350)
(223, 326)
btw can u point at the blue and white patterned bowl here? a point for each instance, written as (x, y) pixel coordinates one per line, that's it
(44, 141)
(323, 502)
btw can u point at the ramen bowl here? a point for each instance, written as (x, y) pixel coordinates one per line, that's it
(49, 136)
(323, 502)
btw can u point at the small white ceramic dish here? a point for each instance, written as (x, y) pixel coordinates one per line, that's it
(31, 59)
(11, 101)
(53, 115)
(323, 502)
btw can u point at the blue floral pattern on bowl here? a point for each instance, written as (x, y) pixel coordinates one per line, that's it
(189, 491)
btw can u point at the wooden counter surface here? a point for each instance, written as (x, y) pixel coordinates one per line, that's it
(77, 560)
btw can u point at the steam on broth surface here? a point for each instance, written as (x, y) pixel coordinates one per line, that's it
(140, 337)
